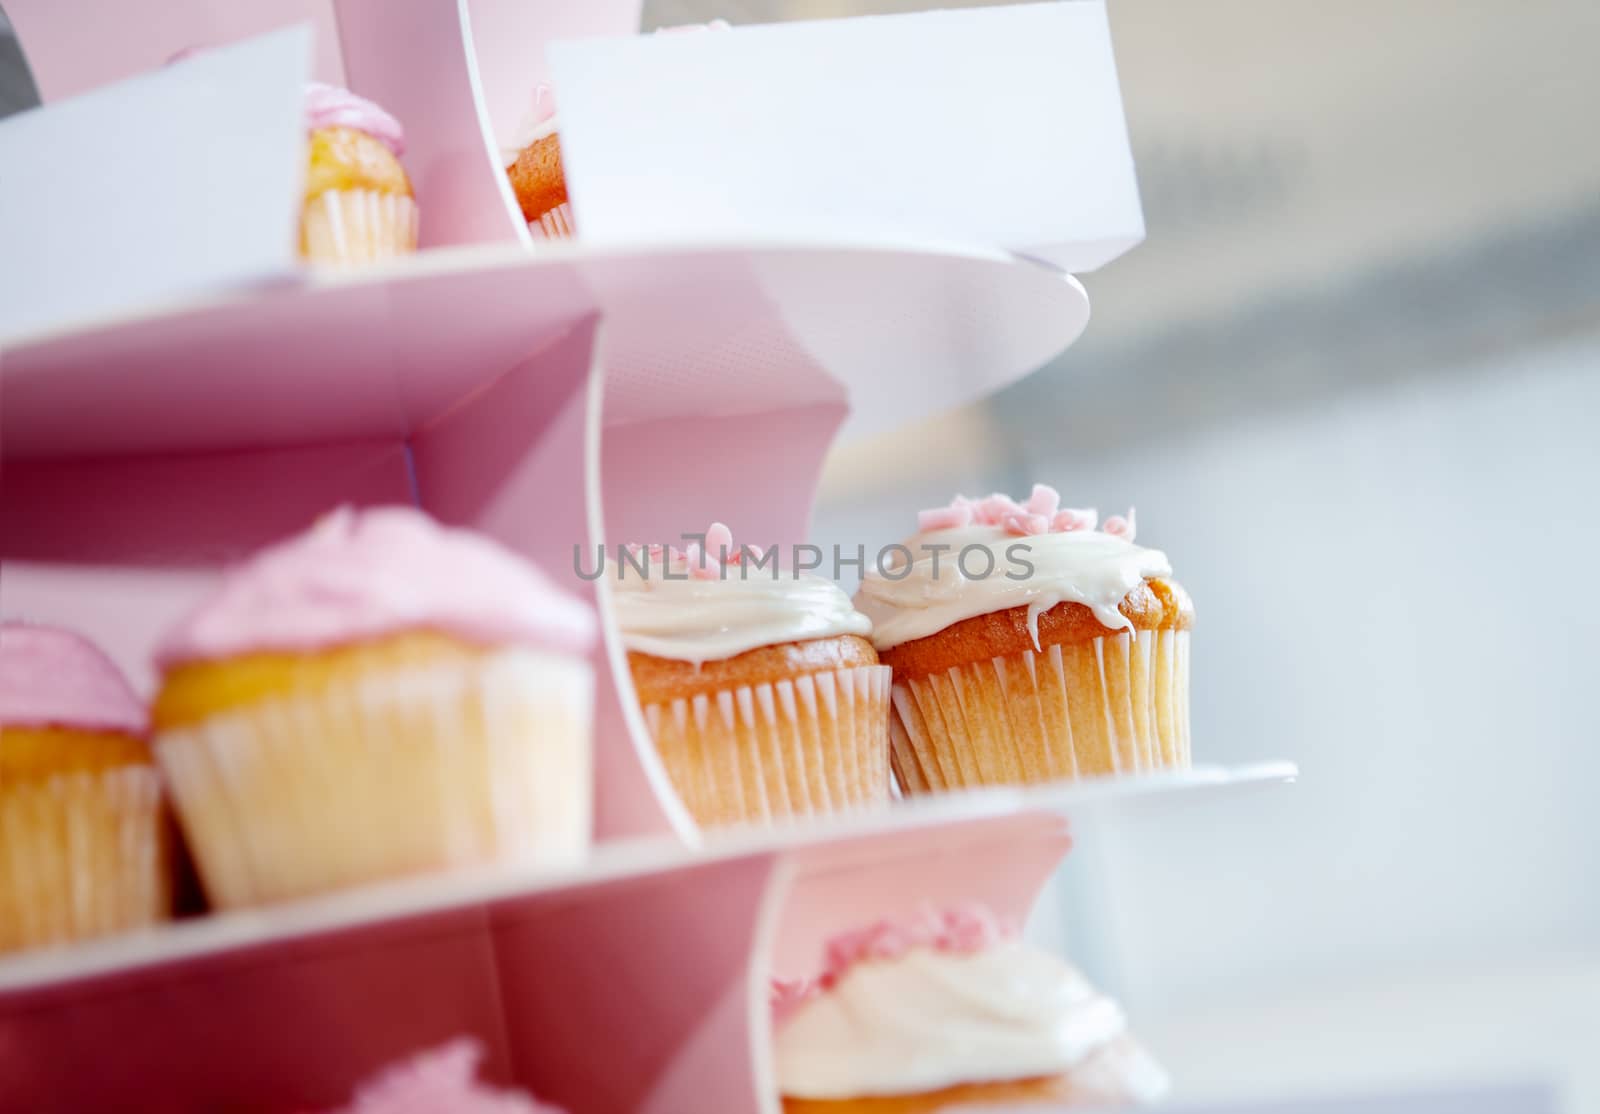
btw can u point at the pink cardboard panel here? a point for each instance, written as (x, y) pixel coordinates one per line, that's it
(636, 1004)
(288, 1028)
(130, 37)
(118, 549)
(1001, 862)
(895, 333)
(414, 57)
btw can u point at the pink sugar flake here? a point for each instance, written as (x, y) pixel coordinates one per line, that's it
(1074, 518)
(439, 1080)
(1119, 527)
(719, 541)
(788, 995)
(1026, 525)
(961, 930)
(952, 517)
(1044, 500)
(995, 509)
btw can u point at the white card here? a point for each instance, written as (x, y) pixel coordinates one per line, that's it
(993, 127)
(175, 183)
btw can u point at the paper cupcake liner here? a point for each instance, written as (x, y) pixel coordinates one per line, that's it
(759, 753)
(1117, 704)
(358, 226)
(82, 855)
(554, 224)
(408, 772)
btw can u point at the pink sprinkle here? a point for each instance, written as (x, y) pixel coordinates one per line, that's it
(962, 930)
(1119, 527)
(719, 541)
(1073, 518)
(944, 518)
(996, 508)
(1044, 500)
(702, 566)
(788, 995)
(1026, 525)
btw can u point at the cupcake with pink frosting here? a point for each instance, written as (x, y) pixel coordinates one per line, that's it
(377, 697)
(948, 1011)
(359, 205)
(1030, 642)
(84, 847)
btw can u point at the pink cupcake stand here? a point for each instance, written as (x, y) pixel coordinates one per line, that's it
(552, 394)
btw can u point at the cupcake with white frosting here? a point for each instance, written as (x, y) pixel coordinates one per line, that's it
(951, 1011)
(1029, 646)
(764, 696)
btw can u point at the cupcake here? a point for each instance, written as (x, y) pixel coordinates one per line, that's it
(440, 1081)
(1028, 646)
(534, 166)
(358, 201)
(533, 160)
(83, 836)
(762, 693)
(949, 1010)
(380, 696)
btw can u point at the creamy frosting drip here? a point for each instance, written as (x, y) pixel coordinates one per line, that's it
(54, 678)
(1034, 554)
(365, 574)
(677, 611)
(936, 1018)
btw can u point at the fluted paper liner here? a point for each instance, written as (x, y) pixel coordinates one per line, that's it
(760, 753)
(1118, 704)
(408, 772)
(554, 224)
(358, 226)
(81, 855)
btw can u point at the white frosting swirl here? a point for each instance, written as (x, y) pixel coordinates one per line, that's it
(934, 1019)
(1040, 571)
(701, 620)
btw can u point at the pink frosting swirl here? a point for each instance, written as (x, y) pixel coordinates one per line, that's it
(440, 1081)
(53, 678)
(1041, 514)
(329, 106)
(960, 930)
(359, 575)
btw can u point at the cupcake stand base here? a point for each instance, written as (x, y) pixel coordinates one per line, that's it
(558, 399)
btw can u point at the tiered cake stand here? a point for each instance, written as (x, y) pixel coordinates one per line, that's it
(550, 396)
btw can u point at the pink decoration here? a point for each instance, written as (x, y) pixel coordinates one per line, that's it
(328, 106)
(1073, 518)
(441, 1081)
(1026, 525)
(961, 930)
(544, 103)
(1119, 527)
(996, 508)
(53, 678)
(1041, 514)
(788, 995)
(1044, 500)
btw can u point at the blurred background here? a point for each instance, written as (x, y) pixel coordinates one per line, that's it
(1350, 382)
